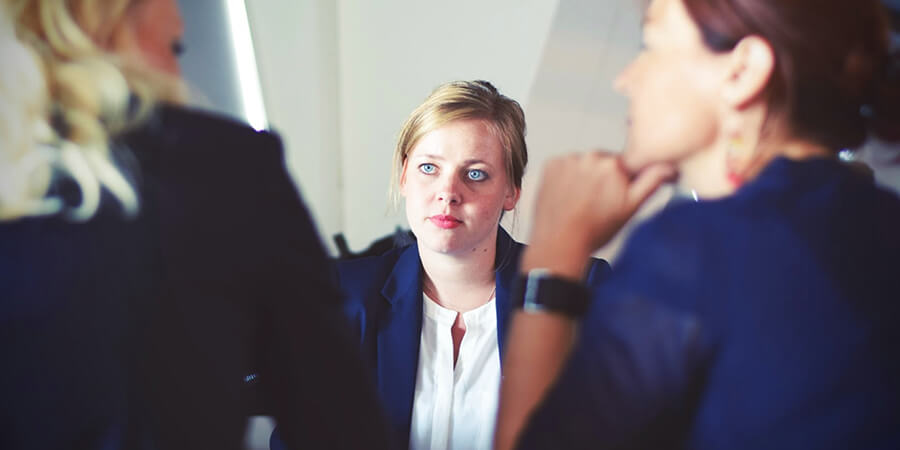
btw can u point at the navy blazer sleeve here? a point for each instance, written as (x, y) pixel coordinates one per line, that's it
(247, 285)
(767, 319)
(634, 357)
(320, 391)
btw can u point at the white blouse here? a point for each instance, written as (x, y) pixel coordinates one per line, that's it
(456, 408)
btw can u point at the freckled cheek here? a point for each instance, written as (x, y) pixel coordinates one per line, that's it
(490, 209)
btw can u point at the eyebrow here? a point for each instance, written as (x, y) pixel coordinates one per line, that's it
(441, 158)
(428, 156)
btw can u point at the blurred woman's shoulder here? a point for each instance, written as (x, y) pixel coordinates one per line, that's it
(206, 132)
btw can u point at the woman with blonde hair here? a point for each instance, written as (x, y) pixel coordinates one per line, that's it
(430, 317)
(763, 315)
(151, 256)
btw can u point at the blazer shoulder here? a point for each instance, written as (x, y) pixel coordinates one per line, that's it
(598, 269)
(217, 126)
(365, 277)
(187, 137)
(363, 282)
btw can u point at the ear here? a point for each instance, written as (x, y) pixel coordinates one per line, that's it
(121, 38)
(512, 197)
(750, 68)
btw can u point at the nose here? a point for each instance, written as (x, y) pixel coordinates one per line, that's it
(622, 83)
(448, 192)
(449, 197)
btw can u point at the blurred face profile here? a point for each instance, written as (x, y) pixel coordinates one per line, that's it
(455, 185)
(153, 31)
(671, 87)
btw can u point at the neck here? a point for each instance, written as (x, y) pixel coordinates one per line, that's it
(800, 150)
(706, 171)
(460, 281)
(794, 149)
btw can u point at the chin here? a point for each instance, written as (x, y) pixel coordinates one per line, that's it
(439, 244)
(634, 160)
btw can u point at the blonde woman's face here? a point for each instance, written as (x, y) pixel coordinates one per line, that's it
(455, 185)
(152, 32)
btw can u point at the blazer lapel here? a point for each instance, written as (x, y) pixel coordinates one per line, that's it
(507, 267)
(399, 333)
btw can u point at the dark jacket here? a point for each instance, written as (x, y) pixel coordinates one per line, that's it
(384, 305)
(127, 333)
(764, 320)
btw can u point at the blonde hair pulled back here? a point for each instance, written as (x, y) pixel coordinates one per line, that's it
(68, 98)
(465, 100)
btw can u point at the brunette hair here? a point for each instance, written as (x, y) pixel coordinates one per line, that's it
(835, 78)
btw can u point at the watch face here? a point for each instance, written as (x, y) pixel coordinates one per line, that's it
(532, 287)
(546, 293)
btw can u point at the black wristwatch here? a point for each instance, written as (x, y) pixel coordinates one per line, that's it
(540, 291)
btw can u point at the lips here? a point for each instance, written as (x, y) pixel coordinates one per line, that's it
(445, 221)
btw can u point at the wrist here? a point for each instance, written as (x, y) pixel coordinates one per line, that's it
(561, 259)
(541, 291)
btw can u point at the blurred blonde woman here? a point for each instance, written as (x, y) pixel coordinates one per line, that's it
(96, 93)
(147, 253)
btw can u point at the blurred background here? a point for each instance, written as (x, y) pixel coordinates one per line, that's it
(337, 78)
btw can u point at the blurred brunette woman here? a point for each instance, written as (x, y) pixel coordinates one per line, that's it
(761, 316)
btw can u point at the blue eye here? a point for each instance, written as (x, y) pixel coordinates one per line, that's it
(427, 168)
(476, 175)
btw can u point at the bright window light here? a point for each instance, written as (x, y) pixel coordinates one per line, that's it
(244, 56)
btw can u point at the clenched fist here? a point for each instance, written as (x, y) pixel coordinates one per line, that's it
(583, 201)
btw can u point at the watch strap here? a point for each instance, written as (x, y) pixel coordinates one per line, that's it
(540, 291)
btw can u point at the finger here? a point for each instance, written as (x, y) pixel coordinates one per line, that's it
(647, 181)
(603, 153)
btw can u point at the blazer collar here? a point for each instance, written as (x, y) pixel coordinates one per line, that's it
(405, 281)
(399, 331)
(400, 328)
(508, 252)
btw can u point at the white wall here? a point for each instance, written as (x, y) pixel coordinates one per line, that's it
(393, 53)
(340, 76)
(339, 79)
(296, 52)
(572, 106)
(209, 67)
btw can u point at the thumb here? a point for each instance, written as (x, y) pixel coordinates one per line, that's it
(646, 182)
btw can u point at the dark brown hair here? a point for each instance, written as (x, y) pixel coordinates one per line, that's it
(835, 79)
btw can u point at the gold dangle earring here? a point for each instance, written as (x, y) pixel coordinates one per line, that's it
(734, 156)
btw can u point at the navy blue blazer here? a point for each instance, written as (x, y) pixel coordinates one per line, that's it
(119, 333)
(384, 305)
(764, 320)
